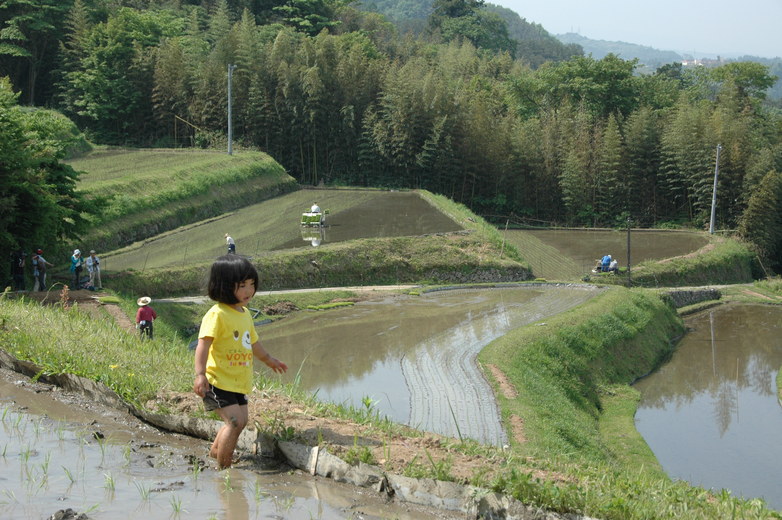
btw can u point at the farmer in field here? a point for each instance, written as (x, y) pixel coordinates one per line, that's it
(605, 263)
(145, 315)
(315, 208)
(227, 343)
(231, 244)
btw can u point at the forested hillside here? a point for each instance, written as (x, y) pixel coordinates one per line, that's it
(649, 56)
(338, 95)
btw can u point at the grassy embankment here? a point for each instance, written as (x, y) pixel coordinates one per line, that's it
(572, 375)
(723, 261)
(147, 192)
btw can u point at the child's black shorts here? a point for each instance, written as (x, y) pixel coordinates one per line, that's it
(216, 398)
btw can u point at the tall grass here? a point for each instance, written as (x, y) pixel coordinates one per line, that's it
(69, 341)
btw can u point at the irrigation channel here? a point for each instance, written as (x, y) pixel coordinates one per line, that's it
(56, 455)
(711, 414)
(412, 358)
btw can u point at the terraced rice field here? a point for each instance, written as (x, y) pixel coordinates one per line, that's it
(569, 254)
(413, 357)
(275, 224)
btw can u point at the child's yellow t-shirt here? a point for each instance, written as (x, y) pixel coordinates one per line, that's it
(230, 362)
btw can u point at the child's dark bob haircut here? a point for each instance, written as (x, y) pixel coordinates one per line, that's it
(227, 273)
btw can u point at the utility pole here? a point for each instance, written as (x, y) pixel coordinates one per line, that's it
(230, 114)
(629, 281)
(714, 191)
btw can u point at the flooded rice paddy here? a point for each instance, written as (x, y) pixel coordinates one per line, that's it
(274, 224)
(412, 358)
(711, 414)
(545, 248)
(55, 457)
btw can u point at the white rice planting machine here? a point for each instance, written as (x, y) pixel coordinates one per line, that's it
(314, 218)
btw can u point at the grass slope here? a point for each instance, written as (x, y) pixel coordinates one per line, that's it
(546, 261)
(147, 192)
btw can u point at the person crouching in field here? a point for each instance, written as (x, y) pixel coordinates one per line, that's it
(227, 343)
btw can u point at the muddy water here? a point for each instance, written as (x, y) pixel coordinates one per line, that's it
(711, 414)
(412, 358)
(50, 460)
(584, 246)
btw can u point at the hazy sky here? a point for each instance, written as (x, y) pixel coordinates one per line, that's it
(687, 26)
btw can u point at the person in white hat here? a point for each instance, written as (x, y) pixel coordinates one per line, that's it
(77, 264)
(145, 316)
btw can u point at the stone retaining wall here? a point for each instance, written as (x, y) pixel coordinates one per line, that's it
(684, 298)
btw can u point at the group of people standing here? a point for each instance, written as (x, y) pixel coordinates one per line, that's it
(40, 265)
(92, 263)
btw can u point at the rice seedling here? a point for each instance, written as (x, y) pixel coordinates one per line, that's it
(10, 497)
(126, 453)
(45, 464)
(176, 504)
(195, 468)
(69, 474)
(108, 482)
(25, 454)
(143, 490)
(227, 486)
(258, 492)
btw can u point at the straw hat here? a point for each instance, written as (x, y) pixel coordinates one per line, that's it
(144, 300)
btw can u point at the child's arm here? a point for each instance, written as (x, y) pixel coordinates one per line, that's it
(201, 384)
(271, 362)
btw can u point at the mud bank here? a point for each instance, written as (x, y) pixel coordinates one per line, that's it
(447, 496)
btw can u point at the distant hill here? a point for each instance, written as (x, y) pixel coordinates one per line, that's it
(535, 45)
(650, 57)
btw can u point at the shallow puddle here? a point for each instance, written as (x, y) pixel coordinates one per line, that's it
(711, 414)
(54, 457)
(412, 358)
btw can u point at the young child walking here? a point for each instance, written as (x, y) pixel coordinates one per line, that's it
(227, 342)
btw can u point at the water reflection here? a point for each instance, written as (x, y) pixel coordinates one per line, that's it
(711, 414)
(54, 462)
(414, 357)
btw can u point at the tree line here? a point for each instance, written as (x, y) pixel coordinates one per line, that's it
(338, 96)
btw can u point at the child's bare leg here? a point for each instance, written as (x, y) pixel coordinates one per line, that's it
(235, 418)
